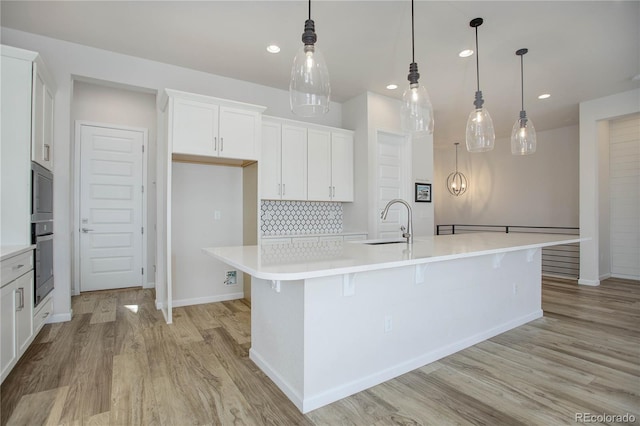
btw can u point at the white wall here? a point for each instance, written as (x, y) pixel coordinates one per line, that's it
(591, 112)
(367, 114)
(111, 105)
(534, 190)
(67, 61)
(199, 192)
(604, 221)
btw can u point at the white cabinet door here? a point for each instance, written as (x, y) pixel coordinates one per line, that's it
(270, 164)
(319, 165)
(42, 121)
(342, 166)
(8, 347)
(24, 314)
(195, 128)
(238, 134)
(294, 162)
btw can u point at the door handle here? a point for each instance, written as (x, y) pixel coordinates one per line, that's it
(86, 230)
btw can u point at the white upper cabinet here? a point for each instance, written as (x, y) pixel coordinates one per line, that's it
(210, 127)
(283, 165)
(42, 113)
(271, 162)
(342, 166)
(294, 162)
(195, 127)
(305, 162)
(330, 165)
(319, 163)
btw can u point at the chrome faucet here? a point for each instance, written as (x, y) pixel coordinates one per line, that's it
(408, 231)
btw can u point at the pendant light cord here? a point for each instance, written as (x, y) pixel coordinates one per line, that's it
(413, 48)
(522, 80)
(477, 61)
(309, 9)
(456, 158)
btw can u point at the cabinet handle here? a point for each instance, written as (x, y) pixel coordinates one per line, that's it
(15, 268)
(46, 314)
(215, 143)
(283, 189)
(46, 152)
(21, 305)
(279, 189)
(221, 144)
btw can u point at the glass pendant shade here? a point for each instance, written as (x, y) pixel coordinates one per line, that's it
(523, 134)
(416, 113)
(309, 89)
(523, 137)
(480, 134)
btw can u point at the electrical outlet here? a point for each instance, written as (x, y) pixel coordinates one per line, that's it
(232, 278)
(388, 323)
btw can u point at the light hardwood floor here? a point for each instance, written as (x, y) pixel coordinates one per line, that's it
(117, 363)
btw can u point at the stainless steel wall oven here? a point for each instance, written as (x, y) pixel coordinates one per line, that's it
(42, 229)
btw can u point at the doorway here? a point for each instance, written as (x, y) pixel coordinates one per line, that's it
(111, 206)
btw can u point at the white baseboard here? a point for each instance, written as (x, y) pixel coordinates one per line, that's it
(605, 276)
(583, 281)
(176, 303)
(625, 277)
(307, 404)
(63, 317)
(149, 285)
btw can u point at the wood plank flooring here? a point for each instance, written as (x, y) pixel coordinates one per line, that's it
(117, 363)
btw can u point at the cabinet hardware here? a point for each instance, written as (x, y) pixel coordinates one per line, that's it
(221, 144)
(329, 192)
(279, 189)
(16, 267)
(46, 314)
(86, 230)
(283, 189)
(21, 305)
(215, 143)
(46, 152)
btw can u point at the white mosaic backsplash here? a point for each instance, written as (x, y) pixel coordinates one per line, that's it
(300, 217)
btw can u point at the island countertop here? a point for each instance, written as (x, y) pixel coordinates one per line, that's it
(296, 261)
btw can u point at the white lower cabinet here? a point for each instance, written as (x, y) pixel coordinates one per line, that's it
(16, 311)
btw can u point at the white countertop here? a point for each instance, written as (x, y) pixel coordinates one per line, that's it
(9, 251)
(296, 261)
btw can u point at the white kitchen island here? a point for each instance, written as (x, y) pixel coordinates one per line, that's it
(329, 319)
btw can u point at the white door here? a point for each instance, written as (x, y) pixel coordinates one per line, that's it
(393, 170)
(111, 206)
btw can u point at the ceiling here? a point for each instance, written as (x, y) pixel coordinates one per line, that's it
(578, 50)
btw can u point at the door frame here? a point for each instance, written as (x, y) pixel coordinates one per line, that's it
(75, 232)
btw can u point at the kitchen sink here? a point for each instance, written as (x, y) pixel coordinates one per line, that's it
(377, 243)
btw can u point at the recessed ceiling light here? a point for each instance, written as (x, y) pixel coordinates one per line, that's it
(465, 53)
(544, 96)
(392, 86)
(272, 48)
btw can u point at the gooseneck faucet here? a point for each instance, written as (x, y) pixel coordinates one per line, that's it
(409, 230)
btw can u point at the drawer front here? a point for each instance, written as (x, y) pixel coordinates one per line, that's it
(16, 266)
(42, 314)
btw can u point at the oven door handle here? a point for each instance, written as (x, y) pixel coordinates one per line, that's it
(44, 238)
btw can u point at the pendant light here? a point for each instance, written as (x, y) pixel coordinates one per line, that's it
(457, 182)
(523, 134)
(416, 113)
(480, 133)
(309, 88)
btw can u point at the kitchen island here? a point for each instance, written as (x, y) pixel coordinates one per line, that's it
(329, 319)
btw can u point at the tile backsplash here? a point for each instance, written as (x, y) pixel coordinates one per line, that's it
(300, 217)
